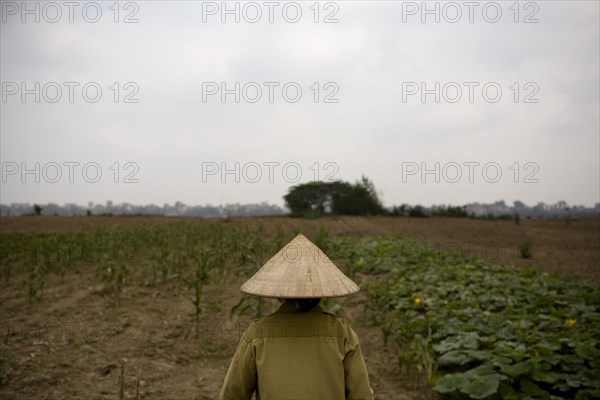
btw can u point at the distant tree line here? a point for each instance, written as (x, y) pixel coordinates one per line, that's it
(343, 198)
(314, 199)
(419, 211)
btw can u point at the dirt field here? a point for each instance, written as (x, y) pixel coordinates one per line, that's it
(68, 346)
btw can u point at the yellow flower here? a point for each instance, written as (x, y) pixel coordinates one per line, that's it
(417, 301)
(571, 321)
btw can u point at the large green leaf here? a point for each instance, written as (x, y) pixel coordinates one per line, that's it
(531, 388)
(544, 376)
(587, 351)
(446, 345)
(450, 383)
(482, 370)
(515, 370)
(454, 357)
(480, 388)
(481, 355)
(551, 358)
(499, 361)
(507, 392)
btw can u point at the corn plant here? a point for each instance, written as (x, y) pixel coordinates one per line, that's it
(418, 356)
(160, 265)
(279, 238)
(247, 303)
(7, 256)
(196, 283)
(526, 249)
(115, 275)
(58, 254)
(322, 238)
(35, 282)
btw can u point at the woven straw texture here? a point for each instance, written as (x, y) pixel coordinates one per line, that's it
(299, 270)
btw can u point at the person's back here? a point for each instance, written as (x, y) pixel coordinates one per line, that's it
(300, 352)
(300, 356)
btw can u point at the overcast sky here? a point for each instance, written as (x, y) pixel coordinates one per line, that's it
(326, 91)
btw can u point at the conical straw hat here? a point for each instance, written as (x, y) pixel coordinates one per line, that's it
(299, 270)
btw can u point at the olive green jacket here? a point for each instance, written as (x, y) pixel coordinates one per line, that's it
(292, 356)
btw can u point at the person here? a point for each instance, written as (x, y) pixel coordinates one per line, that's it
(300, 352)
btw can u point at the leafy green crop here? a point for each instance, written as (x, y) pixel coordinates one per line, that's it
(491, 331)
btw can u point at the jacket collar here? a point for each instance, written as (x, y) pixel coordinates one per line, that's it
(288, 307)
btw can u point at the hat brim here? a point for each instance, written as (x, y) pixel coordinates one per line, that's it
(300, 270)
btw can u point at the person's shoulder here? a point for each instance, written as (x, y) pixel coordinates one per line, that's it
(257, 328)
(254, 328)
(346, 328)
(340, 320)
(342, 326)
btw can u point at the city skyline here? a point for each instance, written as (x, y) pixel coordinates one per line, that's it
(498, 208)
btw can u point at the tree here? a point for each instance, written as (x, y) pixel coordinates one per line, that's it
(417, 211)
(312, 197)
(37, 209)
(451, 211)
(358, 199)
(338, 197)
(400, 211)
